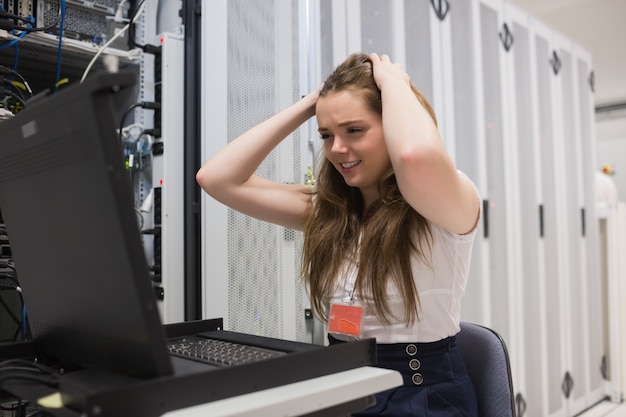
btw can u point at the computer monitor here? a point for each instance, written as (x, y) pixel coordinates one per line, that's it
(68, 207)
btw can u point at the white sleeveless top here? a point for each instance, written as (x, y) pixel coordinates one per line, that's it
(440, 288)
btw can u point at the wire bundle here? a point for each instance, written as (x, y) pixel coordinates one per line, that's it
(12, 284)
(21, 370)
(11, 92)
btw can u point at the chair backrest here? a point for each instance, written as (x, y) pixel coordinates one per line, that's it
(487, 362)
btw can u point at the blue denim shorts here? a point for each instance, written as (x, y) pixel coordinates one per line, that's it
(435, 381)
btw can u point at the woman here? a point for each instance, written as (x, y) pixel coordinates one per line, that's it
(388, 226)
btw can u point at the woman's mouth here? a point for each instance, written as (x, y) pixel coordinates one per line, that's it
(349, 165)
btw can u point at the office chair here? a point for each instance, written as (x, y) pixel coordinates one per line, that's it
(487, 362)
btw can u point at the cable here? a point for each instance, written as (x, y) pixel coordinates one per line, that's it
(5, 92)
(21, 369)
(131, 34)
(14, 42)
(13, 286)
(15, 26)
(109, 42)
(16, 58)
(131, 130)
(60, 48)
(140, 218)
(13, 85)
(149, 133)
(50, 380)
(21, 87)
(145, 104)
(123, 120)
(95, 57)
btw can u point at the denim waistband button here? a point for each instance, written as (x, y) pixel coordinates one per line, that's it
(415, 364)
(417, 379)
(411, 349)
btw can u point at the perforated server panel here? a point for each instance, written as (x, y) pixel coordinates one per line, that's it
(252, 68)
(86, 20)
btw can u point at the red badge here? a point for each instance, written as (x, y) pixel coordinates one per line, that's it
(345, 319)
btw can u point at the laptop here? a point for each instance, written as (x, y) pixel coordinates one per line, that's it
(69, 212)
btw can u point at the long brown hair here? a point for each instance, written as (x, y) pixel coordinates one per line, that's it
(380, 239)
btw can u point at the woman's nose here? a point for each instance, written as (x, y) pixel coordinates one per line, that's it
(339, 146)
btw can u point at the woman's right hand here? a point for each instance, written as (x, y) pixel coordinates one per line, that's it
(229, 176)
(312, 97)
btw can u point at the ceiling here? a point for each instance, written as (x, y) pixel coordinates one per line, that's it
(599, 26)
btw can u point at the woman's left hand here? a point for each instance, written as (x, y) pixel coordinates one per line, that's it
(385, 70)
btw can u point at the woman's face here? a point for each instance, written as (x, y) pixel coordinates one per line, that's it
(353, 140)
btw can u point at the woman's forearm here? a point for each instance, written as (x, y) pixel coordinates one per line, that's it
(233, 165)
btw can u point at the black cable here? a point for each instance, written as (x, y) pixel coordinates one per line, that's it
(144, 104)
(9, 84)
(131, 29)
(34, 366)
(11, 71)
(20, 369)
(153, 49)
(4, 91)
(24, 367)
(15, 18)
(123, 121)
(14, 286)
(18, 91)
(50, 380)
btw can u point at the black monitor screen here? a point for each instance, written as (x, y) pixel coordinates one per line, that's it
(69, 212)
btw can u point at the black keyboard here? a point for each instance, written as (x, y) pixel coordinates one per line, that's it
(219, 352)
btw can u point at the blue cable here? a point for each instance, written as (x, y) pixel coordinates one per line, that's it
(21, 35)
(15, 42)
(17, 45)
(58, 75)
(8, 44)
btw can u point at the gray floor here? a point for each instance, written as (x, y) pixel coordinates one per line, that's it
(606, 409)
